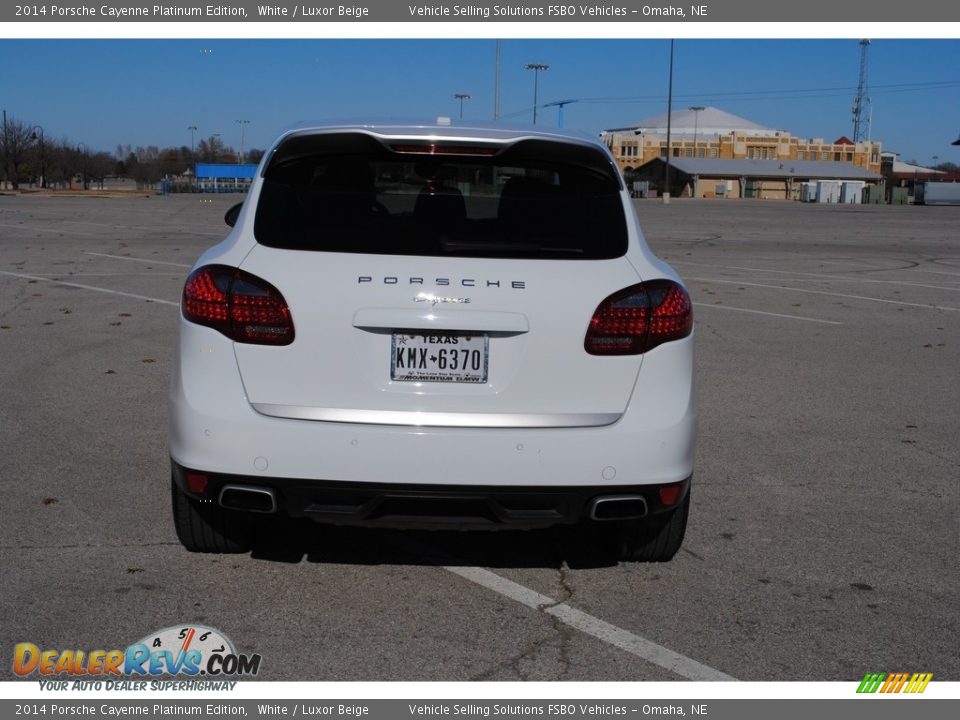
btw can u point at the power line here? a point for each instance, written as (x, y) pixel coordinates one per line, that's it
(759, 95)
(801, 93)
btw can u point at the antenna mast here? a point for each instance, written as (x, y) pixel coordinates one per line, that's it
(861, 103)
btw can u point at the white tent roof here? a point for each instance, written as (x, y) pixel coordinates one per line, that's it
(709, 121)
(902, 167)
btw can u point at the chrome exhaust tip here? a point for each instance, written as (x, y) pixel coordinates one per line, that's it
(248, 498)
(617, 507)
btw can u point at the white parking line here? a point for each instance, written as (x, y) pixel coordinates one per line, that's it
(58, 231)
(88, 287)
(841, 277)
(585, 623)
(771, 314)
(824, 275)
(133, 259)
(824, 292)
(150, 227)
(127, 273)
(935, 272)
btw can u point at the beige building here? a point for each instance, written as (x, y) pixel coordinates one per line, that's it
(709, 133)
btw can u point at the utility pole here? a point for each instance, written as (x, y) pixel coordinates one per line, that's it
(559, 105)
(666, 169)
(5, 146)
(496, 85)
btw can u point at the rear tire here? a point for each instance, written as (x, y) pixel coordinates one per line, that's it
(654, 539)
(209, 528)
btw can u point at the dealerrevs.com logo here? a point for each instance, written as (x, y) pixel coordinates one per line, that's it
(184, 650)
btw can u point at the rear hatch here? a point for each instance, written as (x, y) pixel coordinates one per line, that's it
(446, 284)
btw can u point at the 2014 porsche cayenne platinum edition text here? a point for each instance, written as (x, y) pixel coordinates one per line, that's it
(434, 326)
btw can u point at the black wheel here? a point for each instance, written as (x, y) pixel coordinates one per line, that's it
(209, 528)
(654, 539)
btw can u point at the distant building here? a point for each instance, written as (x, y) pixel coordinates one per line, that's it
(713, 135)
(761, 179)
(224, 177)
(899, 174)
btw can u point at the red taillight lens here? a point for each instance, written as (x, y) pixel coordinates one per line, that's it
(638, 318)
(240, 305)
(669, 494)
(197, 482)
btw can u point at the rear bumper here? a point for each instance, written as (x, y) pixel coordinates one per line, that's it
(480, 507)
(214, 429)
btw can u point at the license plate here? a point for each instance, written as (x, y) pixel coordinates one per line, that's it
(439, 357)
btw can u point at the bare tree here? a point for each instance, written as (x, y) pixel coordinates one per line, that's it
(62, 163)
(99, 166)
(146, 166)
(175, 161)
(15, 144)
(212, 149)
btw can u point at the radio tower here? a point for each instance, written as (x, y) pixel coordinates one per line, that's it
(861, 103)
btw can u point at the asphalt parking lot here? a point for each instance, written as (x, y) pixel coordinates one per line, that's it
(824, 531)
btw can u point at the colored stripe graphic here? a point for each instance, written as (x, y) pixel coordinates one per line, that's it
(894, 682)
(870, 682)
(918, 683)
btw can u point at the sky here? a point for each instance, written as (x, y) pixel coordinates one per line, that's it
(105, 92)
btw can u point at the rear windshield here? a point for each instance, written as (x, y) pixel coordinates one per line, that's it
(350, 193)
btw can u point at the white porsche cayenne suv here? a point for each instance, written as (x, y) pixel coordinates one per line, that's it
(434, 326)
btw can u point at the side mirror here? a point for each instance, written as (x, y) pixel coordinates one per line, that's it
(230, 217)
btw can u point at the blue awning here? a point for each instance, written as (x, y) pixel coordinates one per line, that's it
(225, 171)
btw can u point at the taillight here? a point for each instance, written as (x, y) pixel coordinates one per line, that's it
(638, 318)
(241, 306)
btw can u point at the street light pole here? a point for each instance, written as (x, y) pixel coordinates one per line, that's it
(461, 97)
(242, 123)
(43, 169)
(696, 120)
(193, 130)
(83, 165)
(536, 67)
